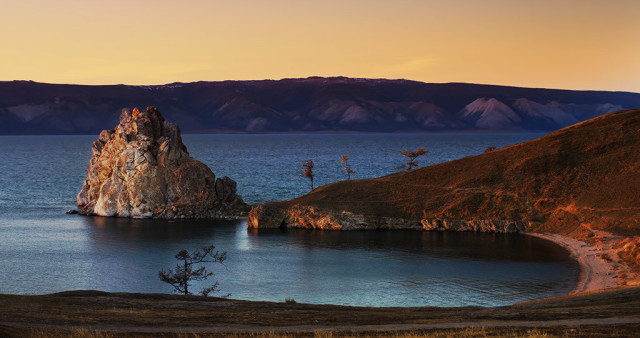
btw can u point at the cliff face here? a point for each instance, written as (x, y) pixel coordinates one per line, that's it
(574, 181)
(299, 216)
(142, 169)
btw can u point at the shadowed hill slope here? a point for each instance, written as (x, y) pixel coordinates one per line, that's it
(313, 104)
(574, 181)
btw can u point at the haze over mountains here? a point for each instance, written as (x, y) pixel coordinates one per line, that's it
(304, 105)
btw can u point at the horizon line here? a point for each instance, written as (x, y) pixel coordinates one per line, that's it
(315, 77)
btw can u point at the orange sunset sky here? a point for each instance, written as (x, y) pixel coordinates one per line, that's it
(572, 44)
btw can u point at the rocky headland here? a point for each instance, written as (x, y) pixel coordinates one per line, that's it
(582, 181)
(142, 169)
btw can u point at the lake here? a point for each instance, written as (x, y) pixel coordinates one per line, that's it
(42, 250)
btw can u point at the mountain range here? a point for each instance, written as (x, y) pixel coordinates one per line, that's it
(312, 104)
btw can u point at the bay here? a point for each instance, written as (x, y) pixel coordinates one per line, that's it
(42, 250)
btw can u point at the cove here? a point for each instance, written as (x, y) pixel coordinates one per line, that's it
(365, 268)
(42, 250)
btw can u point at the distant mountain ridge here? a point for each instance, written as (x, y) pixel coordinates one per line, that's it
(312, 104)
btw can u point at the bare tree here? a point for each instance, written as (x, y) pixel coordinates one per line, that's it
(307, 171)
(489, 149)
(344, 161)
(186, 270)
(412, 155)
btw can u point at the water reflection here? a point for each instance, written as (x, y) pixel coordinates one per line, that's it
(407, 268)
(468, 245)
(134, 231)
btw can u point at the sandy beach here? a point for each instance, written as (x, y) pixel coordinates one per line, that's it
(601, 267)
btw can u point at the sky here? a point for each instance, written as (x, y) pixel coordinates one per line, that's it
(569, 44)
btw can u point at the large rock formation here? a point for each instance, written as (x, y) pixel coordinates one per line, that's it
(142, 169)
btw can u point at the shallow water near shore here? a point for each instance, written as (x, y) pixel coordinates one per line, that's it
(42, 250)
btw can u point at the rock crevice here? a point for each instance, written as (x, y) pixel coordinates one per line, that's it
(142, 169)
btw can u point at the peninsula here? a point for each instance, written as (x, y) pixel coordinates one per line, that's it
(580, 182)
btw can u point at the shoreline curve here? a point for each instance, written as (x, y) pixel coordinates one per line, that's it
(600, 266)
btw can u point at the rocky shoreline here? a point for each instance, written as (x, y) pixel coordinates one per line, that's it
(309, 217)
(600, 265)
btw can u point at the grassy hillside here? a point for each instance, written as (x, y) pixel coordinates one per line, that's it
(585, 174)
(574, 181)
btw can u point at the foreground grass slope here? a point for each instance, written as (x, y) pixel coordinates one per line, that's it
(155, 314)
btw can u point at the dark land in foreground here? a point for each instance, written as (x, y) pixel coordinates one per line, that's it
(313, 104)
(89, 313)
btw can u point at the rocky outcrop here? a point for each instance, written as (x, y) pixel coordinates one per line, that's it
(270, 216)
(490, 225)
(142, 169)
(308, 217)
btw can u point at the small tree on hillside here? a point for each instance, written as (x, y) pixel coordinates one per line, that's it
(412, 155)
(489, 149)
(186, 271)
(344, 161)
(307, 171)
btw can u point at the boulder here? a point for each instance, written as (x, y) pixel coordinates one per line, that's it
(142, 169)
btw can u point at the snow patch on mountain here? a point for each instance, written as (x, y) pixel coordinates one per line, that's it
(550, 111)
(355, 114)
(28, 112)
(430, 115)
(489, 113)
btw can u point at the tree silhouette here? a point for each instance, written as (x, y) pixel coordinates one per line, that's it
(344, 161)
(489, 149)
(307, 171)
(185, 272)
(412, 155)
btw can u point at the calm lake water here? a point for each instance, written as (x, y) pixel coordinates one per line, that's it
(42, 250)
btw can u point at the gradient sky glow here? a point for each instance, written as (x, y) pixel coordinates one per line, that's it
(572, 44)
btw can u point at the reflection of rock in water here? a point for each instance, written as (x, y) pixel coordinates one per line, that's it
(142, 169)
(128, 230)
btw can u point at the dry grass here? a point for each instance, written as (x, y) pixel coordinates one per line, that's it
(98, 314)
(453, 333)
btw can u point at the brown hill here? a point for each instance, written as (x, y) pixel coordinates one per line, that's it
(575, 181)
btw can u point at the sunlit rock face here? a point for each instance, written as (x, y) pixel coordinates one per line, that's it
(306, 217)
(491, 225)
(142, 169)
(297, 216)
